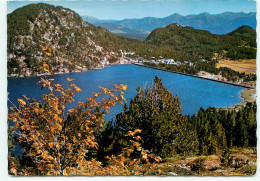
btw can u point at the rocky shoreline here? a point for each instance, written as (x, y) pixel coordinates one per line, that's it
(66, 71)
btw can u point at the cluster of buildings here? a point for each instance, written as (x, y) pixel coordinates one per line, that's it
(153, 59)
(170, 61)
(123, 53)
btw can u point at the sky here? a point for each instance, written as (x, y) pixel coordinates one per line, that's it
(123, 9)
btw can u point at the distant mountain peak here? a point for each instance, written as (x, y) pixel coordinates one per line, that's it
(173, 15)
(215, 23)
(243, 30)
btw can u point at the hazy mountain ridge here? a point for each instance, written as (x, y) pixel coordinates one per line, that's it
(215, 23)
(124, 31)
(118, 29)
(77, 45)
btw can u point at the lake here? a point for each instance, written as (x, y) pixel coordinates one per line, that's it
(192, 92)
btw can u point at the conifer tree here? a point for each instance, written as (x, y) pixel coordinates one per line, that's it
(158, 114)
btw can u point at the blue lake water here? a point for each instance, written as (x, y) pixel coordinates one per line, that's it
(192, 92)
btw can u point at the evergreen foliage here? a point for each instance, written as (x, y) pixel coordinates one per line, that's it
(209, 66)
(198, 44)
(80, 45)
(154, 114)
(157, 113)
(57, 141)
(221, 129)
(166, 132)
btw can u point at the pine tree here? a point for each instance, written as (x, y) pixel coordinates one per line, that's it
(158, 114)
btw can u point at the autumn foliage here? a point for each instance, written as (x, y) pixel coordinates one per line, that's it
(58, 141)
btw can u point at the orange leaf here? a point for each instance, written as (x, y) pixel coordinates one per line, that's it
(21, 101)
(75, 87)
(123, 86)
(47, 53)
(95, 94)
(70, 80)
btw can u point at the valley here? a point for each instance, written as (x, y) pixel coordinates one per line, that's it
(215, 23)
(87, 46)
(150, 96)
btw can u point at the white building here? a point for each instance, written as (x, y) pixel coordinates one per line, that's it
(168, 61)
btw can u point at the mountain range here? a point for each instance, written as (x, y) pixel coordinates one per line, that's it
(77, 45)
(214, 23)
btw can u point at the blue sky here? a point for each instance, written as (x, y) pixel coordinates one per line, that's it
(121, 9)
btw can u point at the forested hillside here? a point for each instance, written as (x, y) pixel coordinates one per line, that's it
(187, 43)
(79, 46)
(151, 135)
(166, 131)
(73, 41)
(239, 44)
(76, 45)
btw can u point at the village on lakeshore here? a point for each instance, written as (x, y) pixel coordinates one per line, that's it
(158, 88)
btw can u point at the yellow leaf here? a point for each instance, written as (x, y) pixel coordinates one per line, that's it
(137, 131)
(50, 157)
(75, 87)
(59, 127)
(46, 68)
(14, 120)
(121, 97)
(21, 101)
(43, 47)
(22, 127)
(123, 86)
(120, 102)
(51, 144)
(104, 89)
(47, 53)
(116, 86)
(14, 171)
(158, 159)
(122, 159)
(95, 94)
(70, 80)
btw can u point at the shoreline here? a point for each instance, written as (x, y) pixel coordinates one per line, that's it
(38, 75)
(61, 73)
(248, 95)
(196, 76)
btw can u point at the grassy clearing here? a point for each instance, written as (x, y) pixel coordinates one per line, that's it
(246, 66)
